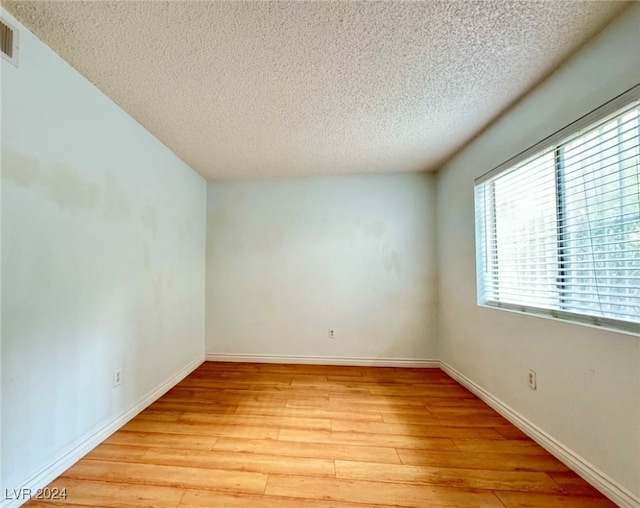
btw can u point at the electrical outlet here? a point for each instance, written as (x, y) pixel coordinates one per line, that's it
(117, 377)
(332, 333)
(532, 380)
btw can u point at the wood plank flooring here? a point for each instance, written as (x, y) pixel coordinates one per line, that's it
(266, 436)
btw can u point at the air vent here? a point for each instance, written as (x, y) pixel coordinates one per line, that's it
(8, 42)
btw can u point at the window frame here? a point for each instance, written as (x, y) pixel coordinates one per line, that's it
(557, 140)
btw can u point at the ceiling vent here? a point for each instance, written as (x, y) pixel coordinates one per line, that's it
(8, 42)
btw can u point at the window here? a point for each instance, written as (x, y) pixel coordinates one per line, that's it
(558, 227)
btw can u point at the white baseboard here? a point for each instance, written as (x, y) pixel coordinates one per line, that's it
(85, 444)
(325, 360)
(605, 484)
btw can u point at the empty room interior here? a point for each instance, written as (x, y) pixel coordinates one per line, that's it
(320, 254)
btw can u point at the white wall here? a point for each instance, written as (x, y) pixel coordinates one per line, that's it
(288, 259)
(103, 247)
(588, 395)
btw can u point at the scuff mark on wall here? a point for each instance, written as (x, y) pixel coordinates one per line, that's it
(392, 263)
(149, 219)
(267, 301)
(116, 205)
(64, 187)
(375, 229)
(146, 258)
(21, 169)
(218, 217)
(158, 291)
(270, 241)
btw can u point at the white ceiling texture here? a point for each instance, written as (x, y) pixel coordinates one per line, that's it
(245, 89)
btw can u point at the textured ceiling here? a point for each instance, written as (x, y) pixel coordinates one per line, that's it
(265, 88)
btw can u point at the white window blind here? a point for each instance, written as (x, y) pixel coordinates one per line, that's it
(558, 228)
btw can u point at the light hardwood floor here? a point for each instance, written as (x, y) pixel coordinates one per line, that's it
(266, 436)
